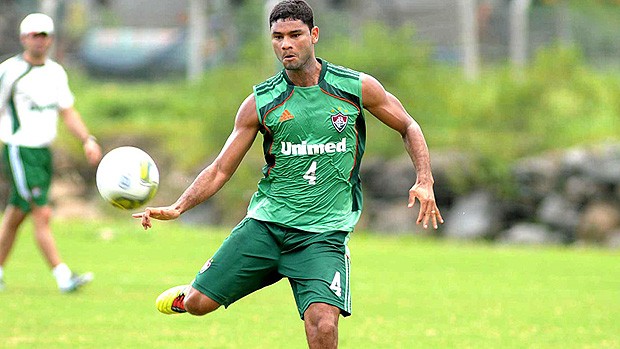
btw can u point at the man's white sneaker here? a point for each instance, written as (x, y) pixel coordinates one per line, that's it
(77, 281)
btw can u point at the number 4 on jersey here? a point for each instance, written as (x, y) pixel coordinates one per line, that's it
(310, 175)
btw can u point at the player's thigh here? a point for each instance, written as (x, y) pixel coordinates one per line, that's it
(245, 262)
(319, 272)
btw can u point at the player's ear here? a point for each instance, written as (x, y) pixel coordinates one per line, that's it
(314, 32)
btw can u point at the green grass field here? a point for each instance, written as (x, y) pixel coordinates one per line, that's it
(408, 292)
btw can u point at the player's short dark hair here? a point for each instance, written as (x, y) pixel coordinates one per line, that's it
(292, 9)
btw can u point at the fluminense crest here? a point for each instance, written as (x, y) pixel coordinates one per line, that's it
(339, 121)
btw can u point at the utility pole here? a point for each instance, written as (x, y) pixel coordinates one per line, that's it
(469, 39)
(519, 35)
(50, 8)
(269, 57)
(196, 36)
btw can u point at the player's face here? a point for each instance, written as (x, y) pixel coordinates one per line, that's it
(293, 43)
(36, 45)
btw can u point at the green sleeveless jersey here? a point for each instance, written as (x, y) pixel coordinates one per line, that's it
(314, 139)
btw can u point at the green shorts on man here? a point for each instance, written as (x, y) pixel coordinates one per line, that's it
(257, 254)
(29, 171)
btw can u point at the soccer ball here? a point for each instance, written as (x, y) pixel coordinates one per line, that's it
(127, 177)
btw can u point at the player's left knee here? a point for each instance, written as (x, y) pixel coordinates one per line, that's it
(322, 317)
(326, 327)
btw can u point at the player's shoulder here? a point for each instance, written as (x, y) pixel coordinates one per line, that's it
(13, 67)
(52, 64)
(270, 83)
(12, 61)
(272, 89)
(341, 71)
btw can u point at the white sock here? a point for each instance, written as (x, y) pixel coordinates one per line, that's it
(62, 273)
(1, 273)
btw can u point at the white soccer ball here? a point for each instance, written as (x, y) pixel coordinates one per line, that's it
(127, 177)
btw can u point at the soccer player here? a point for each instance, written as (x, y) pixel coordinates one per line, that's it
(309, 199)
(33, 92)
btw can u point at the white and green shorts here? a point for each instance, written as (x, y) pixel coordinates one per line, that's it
(30, 172)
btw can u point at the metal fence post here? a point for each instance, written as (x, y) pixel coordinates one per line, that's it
(196, 38)
(469, 39)
(519, 34)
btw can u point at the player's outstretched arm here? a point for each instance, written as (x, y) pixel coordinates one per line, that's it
(76, 126)
(387, 108)
(214, 176)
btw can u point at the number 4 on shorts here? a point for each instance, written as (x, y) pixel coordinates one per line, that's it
(335, 286)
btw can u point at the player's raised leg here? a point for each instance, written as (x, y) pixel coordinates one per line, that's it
(172, 300)
(185, 298)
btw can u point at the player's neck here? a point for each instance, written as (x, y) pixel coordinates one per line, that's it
(34, 59)
(307, 75)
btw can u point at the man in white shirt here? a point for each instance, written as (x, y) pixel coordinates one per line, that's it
(34, 92)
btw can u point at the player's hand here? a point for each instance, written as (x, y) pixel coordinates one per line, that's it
(159, 213)
(429, 212)
(92, 150)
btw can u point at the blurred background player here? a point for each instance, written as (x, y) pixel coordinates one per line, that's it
(34, 91)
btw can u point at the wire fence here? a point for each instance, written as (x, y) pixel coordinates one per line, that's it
(437, 22)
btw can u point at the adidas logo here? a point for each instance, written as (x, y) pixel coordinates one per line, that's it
(286, 115)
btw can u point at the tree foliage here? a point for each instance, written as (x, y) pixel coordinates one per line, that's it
(561, 102)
